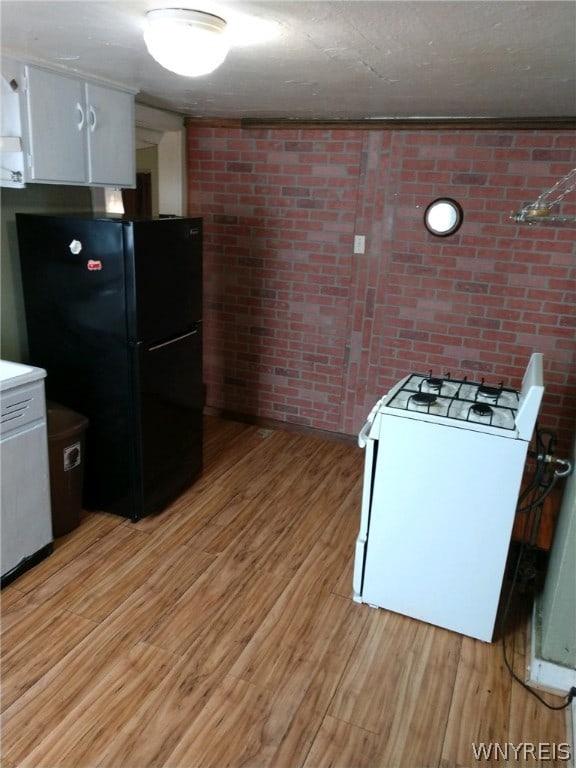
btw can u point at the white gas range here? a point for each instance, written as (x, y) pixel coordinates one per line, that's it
(444, 463)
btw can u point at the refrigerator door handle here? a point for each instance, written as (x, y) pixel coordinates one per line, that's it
(173, 341)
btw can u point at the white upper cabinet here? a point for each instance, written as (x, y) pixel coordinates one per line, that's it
(110, 131)
(55, 127)
(76, 131)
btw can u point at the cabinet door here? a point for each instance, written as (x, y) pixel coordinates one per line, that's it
(25, 495)
(111, 146)
(56, 119)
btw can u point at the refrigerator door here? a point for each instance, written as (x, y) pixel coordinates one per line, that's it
(170, 405)
(164, 277)
(73, 279)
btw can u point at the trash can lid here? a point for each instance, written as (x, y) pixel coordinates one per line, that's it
(62, 421)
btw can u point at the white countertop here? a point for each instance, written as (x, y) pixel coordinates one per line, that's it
(15, 374)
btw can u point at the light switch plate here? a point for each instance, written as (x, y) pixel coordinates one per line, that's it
(359, 243)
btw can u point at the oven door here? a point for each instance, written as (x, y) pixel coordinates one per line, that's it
(442, 507)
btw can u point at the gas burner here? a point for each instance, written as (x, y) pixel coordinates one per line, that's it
(481, 409)
(433, 383)
(490, 393)
(423, 398)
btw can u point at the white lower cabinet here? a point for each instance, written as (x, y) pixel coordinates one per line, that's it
(25, 519)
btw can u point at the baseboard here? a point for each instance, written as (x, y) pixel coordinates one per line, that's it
(287, 426)
(26, 563)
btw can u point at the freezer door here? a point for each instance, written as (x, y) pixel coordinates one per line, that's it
(164, 265)
(73, 279)
(170, 402)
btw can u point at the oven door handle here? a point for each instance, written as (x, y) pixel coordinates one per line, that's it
(364, 433)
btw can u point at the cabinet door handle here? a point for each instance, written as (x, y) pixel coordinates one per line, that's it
(80, 116)
(92, 118)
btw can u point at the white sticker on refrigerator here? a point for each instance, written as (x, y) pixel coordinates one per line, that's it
(75, 247)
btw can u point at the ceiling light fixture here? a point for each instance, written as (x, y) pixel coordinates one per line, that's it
(187, 42)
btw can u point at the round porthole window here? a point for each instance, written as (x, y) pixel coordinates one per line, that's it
(443, 217)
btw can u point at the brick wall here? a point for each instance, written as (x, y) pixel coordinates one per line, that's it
(299, 329)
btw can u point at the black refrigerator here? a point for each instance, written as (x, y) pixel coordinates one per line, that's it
(114, 315)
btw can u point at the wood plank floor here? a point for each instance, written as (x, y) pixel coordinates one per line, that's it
(222, 633)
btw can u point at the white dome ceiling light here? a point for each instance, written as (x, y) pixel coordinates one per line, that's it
(187, 42)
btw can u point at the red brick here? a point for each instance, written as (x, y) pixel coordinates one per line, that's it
(285, 294)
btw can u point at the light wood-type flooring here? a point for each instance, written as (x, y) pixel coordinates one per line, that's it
(222, 633)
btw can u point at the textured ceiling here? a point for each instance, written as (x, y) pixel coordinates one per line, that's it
(331, 60)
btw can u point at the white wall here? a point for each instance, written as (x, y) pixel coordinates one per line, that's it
(557, 604)
(165, 130)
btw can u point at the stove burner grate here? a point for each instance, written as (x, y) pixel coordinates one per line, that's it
(443, 397)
